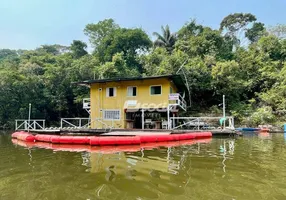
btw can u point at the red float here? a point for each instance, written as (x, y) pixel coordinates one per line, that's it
(109, 140)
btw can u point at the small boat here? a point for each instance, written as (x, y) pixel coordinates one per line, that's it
(264, 130)
(248, 129)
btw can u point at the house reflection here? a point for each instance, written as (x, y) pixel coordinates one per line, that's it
(152, 170)
(166, 170)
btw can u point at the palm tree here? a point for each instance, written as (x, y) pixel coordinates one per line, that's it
(167, 39)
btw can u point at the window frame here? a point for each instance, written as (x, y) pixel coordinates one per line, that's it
(156, 86)
(110, 110)
(132, 91)
(114, 92)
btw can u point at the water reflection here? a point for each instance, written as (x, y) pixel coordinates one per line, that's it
(154, 169)
(223, 168)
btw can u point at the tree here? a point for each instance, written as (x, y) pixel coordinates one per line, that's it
(78, 49)
(190, 29)
(97, 32)
(166, 40)
(279, 31)
(233, 24)
(7, 54)
(116, 68)
(130, 42)
(255, 32)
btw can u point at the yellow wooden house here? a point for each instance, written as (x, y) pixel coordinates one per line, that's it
(135, 103)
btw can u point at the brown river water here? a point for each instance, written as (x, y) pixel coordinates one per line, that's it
(248, 167)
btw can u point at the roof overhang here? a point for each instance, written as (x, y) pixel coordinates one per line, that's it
(176, 79)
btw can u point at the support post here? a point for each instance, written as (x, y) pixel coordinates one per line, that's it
(168, 116)
(29, 117)
(142, 119)
(174, 125)
(223, 103)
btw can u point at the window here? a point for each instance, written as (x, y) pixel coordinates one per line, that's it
(156, 90)
(111, 92)
(111, 114)
(131, 91)
(171, 90)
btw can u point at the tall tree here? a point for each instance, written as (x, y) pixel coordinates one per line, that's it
(255, 32)
(131, 42)
(97, 32)
(166, 40)
(78, 49)
(236, 23)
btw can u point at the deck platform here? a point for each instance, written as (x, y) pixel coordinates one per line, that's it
(129, 132)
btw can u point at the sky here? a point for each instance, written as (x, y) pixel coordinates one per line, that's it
(28, 24)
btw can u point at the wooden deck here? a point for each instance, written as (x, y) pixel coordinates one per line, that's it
(130, 132)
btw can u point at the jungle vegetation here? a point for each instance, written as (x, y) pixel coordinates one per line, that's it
(243, 59)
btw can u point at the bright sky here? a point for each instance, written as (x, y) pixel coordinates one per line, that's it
(27, 24)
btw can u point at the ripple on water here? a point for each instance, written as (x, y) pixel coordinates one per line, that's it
(243, 168)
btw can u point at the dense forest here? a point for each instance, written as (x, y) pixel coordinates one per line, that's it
(244, 59)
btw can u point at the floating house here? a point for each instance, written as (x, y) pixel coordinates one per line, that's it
(135, 103)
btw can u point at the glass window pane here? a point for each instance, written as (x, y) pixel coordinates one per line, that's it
(156, 90)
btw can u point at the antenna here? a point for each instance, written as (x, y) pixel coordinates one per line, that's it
(186, 80)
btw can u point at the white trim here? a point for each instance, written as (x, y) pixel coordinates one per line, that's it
(107, 92)
(155, 94)
(132, 91)
(114, 110)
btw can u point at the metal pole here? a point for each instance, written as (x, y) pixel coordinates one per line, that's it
(223, 104)
(142, 118)
(29, 118)
(168, 116)
(174, 120)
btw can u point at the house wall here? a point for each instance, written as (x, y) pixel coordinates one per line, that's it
(100, 102)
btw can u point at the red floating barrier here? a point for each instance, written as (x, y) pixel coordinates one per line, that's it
(55, 139)
(123, 140)
(43, 138)
(24, 136)
(94, 140)
(81, 140)
(106, 140)
(203, 135)
(164, 138)
(148, 138)
(66, 139)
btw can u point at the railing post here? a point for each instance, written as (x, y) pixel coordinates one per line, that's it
(16, 125)
(79, 122)
(61, 123)
(34, 124)
(44, 124)
(198, 123)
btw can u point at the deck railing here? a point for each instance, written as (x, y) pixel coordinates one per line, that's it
(81, 123)
(201, 123)
(175, 99)
(86, 103)
(33, 124)
(75, 123)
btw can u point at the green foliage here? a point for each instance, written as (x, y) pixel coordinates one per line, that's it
(96, 32)
(166, 40)
(255, 32)
(78, 49)
(236, 21)
(212, 62)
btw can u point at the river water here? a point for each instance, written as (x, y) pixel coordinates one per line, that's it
(248, 167)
